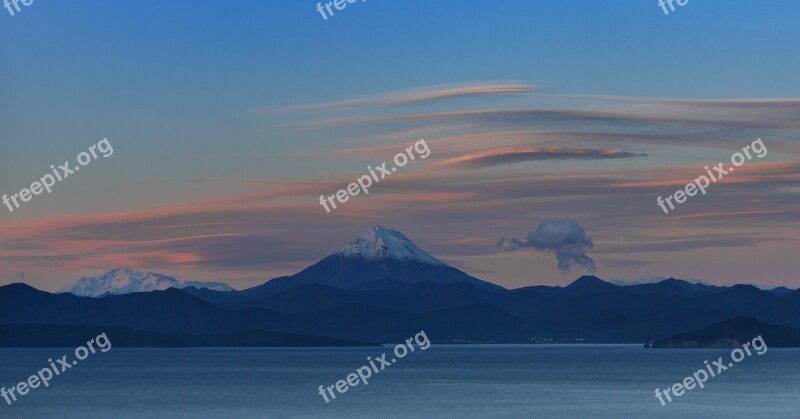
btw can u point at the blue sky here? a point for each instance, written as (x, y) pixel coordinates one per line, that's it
(193, 96)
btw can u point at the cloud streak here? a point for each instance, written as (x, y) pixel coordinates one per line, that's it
(508, 155)
(569, 116)
(420, 96)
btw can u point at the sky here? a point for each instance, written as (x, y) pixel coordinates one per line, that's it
(228, 120)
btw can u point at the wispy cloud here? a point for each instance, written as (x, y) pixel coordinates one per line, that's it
(754, 102)
(419, 95)
(508, 155)
(522, 116)
(686, 243)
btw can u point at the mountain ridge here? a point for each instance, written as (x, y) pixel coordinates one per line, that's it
(454, 312)
(125, 281)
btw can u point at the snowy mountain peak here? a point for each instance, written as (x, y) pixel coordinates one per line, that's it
(126, 281)
(380, 243)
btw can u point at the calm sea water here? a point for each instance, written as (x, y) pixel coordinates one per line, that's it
(446, 381)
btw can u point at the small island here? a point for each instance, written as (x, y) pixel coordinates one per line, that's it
(732, 333)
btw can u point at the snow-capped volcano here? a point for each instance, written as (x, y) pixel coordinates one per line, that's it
(378, 258)
(126, 281)
(380, 243)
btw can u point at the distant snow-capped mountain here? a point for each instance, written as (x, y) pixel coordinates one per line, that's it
(378, 258)
(381, 243)
(126, 281)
